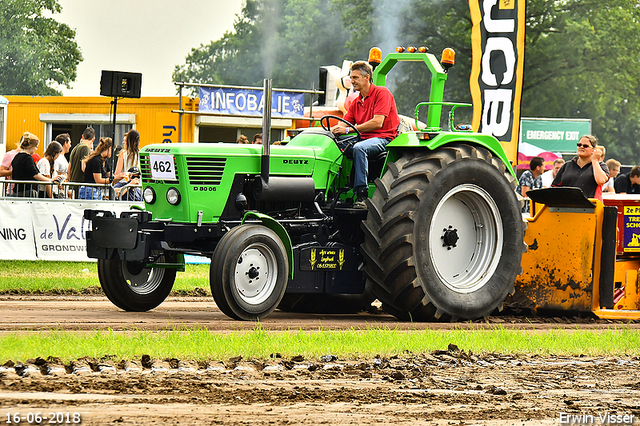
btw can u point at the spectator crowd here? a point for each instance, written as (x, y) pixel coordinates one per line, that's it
(84, 171)
(587, 171)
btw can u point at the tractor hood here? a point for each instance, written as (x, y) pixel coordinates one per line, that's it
(204, 173)
(298, 157)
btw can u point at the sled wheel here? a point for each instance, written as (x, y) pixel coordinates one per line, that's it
(249, 272)
(444, 235)
(133, 286)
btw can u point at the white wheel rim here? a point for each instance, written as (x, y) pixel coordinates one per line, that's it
(469, 213)
(143, 281)
(256, 273)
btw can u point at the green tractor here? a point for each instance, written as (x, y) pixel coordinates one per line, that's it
(442, 237)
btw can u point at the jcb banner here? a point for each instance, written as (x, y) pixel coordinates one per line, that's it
(497, 40)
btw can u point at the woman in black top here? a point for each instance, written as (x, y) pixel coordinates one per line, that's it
(585, 171)
(96, 170)
(24, 168)
(47, 169)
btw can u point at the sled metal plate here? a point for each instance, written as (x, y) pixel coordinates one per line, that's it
(112, 232)
(560, 267)
(563, 197)
(569, 210)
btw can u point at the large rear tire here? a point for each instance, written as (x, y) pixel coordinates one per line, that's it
(444, 235)
(134, 287)
(249, 272)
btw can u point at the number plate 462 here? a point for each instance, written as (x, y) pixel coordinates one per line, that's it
(162, 167)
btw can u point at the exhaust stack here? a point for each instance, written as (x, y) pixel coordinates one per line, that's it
(266, 130)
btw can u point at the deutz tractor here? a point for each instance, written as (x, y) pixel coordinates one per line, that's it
(442, 237)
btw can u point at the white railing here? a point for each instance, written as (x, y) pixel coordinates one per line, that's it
(69, 190)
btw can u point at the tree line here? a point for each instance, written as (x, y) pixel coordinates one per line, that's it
(37, 53)
(582, 57)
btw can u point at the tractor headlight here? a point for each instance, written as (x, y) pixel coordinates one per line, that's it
(173, 196)
(149, 195)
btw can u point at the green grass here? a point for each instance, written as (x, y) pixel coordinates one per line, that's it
(201, 344)
(350, 344)
(77, 277)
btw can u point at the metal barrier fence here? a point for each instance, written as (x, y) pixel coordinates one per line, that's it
(70, 190)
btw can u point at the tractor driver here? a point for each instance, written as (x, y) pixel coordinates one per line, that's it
(376, 118)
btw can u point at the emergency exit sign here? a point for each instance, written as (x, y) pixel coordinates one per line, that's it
(558, 135)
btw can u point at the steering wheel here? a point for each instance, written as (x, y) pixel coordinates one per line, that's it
(349, 140)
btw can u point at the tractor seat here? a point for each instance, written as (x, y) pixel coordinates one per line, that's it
(373, 159)
(376, 162)
(375, 165)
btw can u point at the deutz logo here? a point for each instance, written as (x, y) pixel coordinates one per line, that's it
(295, 161)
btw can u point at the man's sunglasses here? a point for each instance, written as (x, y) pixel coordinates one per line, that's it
(582, 145)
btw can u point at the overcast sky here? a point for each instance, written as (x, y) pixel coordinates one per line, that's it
(146, 36)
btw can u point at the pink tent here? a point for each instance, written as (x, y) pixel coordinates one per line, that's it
(527, 151)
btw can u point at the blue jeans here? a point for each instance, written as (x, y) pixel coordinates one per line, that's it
(90, 193)
(361, 152)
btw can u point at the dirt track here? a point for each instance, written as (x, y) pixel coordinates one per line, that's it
(445, 387)
(97, 313)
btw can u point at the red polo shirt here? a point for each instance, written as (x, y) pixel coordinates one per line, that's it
(379, 101)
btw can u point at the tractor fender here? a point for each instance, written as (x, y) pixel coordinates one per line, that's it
(276, 227)
(439, 139)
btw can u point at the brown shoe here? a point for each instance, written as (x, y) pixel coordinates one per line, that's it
(361, 199)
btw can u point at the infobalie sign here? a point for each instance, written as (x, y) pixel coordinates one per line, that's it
(232, 101)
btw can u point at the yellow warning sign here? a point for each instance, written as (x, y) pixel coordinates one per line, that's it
(326, 258)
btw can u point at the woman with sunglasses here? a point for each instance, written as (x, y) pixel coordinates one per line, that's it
(586, 170)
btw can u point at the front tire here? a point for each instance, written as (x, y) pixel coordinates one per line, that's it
(444, 235)
(249, 272)
(132, 286)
